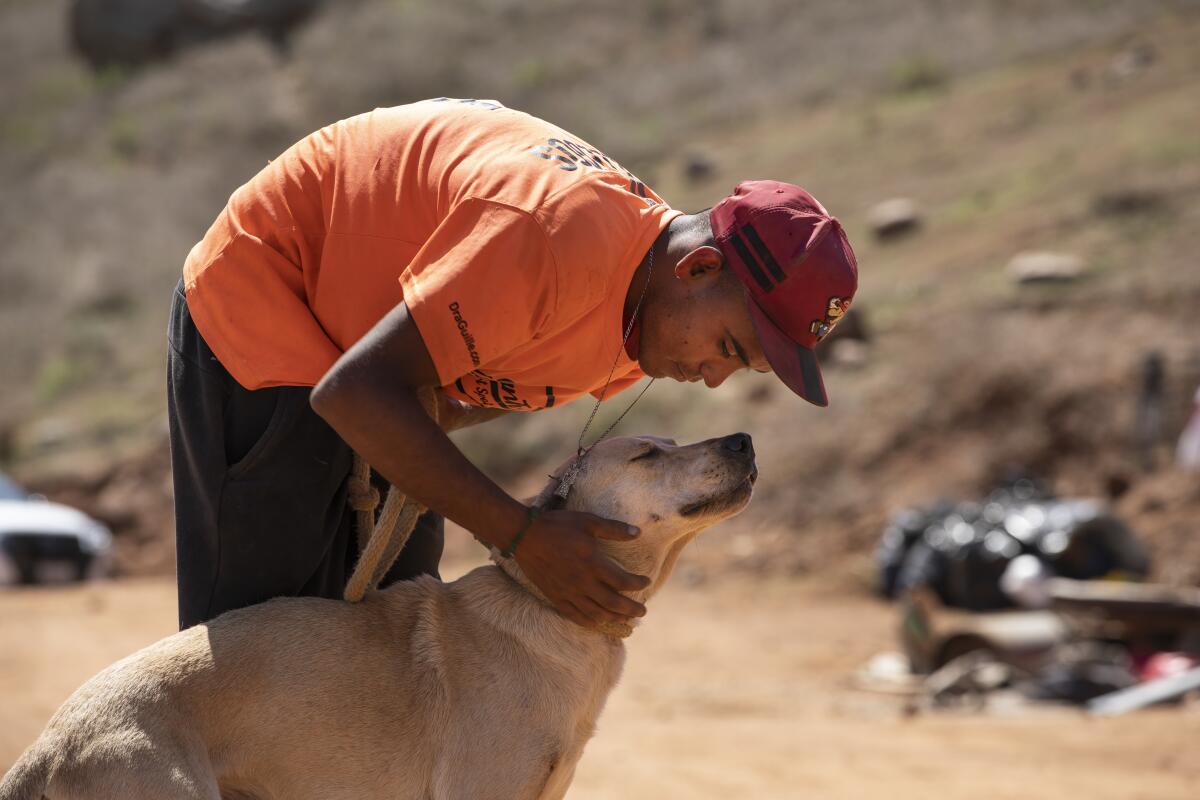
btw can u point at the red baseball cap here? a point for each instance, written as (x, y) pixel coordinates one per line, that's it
(799, 272)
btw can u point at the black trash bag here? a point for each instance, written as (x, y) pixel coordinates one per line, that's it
(901, 534)
(1102, 546)
(960, 550)
(961, 558)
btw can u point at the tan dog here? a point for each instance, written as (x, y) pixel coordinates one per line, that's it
(468, 690)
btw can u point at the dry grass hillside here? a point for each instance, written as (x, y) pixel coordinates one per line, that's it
(1015, 125)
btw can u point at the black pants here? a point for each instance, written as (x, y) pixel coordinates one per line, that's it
(260, 489)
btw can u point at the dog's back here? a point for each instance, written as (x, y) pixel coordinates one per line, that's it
(94, 731)
(220, 700)
(476, 688)
(27, 779)
(301, 697)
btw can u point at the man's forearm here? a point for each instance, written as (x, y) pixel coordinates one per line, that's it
(386, 425)
(369, 396)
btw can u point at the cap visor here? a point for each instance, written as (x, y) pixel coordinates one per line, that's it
(796, 366)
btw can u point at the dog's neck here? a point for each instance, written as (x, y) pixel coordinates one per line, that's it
(509, 566)
(659, 567)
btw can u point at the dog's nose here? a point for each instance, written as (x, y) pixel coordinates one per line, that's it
(739, 443)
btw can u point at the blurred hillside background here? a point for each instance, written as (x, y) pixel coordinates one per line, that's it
(1012, 126)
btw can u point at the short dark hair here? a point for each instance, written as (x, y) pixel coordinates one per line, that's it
(696, 222)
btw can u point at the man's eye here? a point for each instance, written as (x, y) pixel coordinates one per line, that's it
(725, 350)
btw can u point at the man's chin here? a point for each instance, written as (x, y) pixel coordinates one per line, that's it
(656, 371)
(660, 367)
(650, 368)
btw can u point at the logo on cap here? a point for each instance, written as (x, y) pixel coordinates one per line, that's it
(834, 311)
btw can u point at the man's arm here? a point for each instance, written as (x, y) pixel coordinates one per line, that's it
(454, 415)
(369, 398)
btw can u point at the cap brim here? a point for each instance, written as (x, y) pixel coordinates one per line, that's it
(796, 366)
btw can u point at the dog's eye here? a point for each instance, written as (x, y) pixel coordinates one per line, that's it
(651, 451)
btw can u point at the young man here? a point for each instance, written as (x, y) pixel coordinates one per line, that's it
(461, 245)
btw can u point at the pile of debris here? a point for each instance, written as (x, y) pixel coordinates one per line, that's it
(961, 550)
(1108, 646)
(1028, 598)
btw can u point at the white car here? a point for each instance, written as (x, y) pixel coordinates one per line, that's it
(44, 542)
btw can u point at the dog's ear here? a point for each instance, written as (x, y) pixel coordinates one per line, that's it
(546, 499)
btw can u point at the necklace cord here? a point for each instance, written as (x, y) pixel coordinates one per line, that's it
(580, 451)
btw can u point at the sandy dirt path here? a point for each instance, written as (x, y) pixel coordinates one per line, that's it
(732, 690)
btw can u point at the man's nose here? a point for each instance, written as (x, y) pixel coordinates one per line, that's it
(740, 443)
(714, 375)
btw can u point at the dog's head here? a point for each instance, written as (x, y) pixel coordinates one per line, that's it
(671, 492)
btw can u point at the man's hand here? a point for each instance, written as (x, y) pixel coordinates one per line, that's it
(560, 555)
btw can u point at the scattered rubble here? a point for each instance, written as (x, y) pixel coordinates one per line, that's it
(1132, 61)
(1187, 451)
(134, 32)
(1128, 202)
(698, 168)
(1108, 646)
(848, 344)
(893, 219)
(1145, 694)
(1044, 267)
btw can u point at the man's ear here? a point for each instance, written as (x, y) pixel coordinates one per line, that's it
(704, 263)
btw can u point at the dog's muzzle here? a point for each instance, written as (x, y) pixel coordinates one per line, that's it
(739, 446)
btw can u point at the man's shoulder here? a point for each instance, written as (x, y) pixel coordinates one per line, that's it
(598, 230)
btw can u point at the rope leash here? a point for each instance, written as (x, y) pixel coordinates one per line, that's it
(380, 542)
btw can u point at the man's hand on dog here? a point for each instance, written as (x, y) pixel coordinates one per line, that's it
(562, 558)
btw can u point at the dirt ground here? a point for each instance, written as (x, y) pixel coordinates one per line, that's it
(735, 688)
(1066, 127)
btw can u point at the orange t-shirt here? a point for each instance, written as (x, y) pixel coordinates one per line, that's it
(512, 241)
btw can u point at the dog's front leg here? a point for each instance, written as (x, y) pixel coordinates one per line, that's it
(558, 782)
(500, 773)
